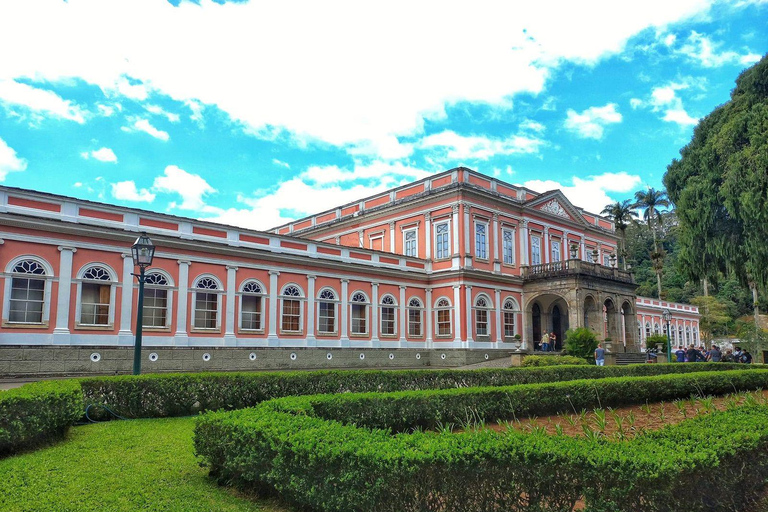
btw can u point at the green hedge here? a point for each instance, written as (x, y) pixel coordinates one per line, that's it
(530, 361)
(38, 413)
(354, 462)
(152, 396)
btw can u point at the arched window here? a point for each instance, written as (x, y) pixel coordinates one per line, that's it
(695, 335)
(97, 296)
(388, 316)
(291, 310)
(688, 335)
(359, 309)
(414, 318)
(656, 328)
(252, 306)
(509, 311)
(207, 301)
(647, 329)
(444, 312)
(326, 311)
(28, 292)
(156, 300)
(481, 317)
(680, 337)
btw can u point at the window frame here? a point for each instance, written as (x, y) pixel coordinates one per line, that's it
(299, 299)
(406, 232)
(415, 307)
(79, 297)
(481, 254)
(482, 311)
(513, 311)
(447, 242)
(511, 232)
(332, 305)
(439, 308)
(535, 255)
(395, 309)
(366, 318)
(168, 288)
(10, 275)
(218, 292)
(242, 295)
(556, 243)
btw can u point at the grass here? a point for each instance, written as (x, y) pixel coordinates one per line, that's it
(119, 466)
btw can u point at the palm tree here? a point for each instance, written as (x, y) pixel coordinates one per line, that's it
(622, 213)
(650, 202)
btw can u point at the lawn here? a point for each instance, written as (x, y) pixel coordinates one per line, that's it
(119, 466)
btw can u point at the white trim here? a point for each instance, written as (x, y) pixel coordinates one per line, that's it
(218, 292)
(112, 292)
(262, 295)
(47, 279)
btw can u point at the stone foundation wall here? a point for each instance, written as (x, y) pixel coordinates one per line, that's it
(52, 361)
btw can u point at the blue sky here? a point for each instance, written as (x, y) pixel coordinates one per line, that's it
(254, 113)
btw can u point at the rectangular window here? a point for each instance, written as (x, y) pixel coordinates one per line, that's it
(481, 322)
(94, 304)
(359, 319)
(326, 317)
(388, 321)
(606, 260)
(441, 241)
(410, 243)
(444, 322)
(556, 251)
(508, 246)
(155, 307)
(509, 324)
(481, 241)
(291, 315)
(206, 310)
(27, 300)
(414, 323)
(251, 312)
(535, 250)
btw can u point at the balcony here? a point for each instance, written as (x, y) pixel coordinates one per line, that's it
(575, 268)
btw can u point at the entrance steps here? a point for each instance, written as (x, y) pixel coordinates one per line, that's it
(626, 358)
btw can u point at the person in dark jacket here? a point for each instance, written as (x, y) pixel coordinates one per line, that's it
(692, 354)
(715, 355)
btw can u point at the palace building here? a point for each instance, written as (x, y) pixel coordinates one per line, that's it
(453, 268)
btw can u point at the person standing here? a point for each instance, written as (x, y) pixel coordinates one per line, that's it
(680, 354)
(552, 341)
(692, 354)
(715, 355)
(545, 342)
(600, 355)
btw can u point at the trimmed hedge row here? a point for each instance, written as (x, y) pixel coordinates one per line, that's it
(152, 396)
(337, 453)
(38, 413)
(552, 361)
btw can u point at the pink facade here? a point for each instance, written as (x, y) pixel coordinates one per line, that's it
(458, 260)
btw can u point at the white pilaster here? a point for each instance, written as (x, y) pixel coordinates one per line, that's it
(583, 250)
(273, 303)
(61, 331)
(467, 238)
(497, 298)
(403, 315)
(470, 326)
(428, 235)
(546, 245)
(524, 243)
(344, 312)
(457, 314)
(230, 339)
(181, 336)
(375, 314)
(125, 335)
(428, 319)
(392, 237)
(495, 234)
(311, 340)
(455, 259)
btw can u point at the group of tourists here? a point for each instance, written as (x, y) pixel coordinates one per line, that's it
(700, 354)
(548, 341)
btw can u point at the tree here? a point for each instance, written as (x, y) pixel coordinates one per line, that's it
(580, 342)
(720, 186)
(622, 213)
(713, 316)
(650, 202)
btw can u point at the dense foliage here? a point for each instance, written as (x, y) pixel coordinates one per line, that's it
(720, 186)
(38, 413)
(581, 343)
(355, 452)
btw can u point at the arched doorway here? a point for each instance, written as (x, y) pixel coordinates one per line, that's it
(536, 323)
(557, 327)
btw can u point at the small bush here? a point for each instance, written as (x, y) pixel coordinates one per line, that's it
(552, 360)
(581, 343)
(655, 339)
(38, 413)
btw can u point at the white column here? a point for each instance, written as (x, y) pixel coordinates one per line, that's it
(311, 340)
(229, 329)
(272, 334)
(61, 331)
(392, 237)
(496, 256)
(623, 328)
(344, 312)
(403, 315)
(583, 250)
(467, 237)
(457, 314)
(125, 335)
(375, 314)
(524, 243)
(455, 259)
(546, 245)
(642, 329)
(499, 334)
(181, 336)
(428, 235)
(468, 297)
(428, 319)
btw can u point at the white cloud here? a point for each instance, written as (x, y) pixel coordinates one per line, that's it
(159, 111)
(338, 75)
(679, 116)
(102, 155)
(531, 125)
(591, 123)
(142, 125)
(126, 191)
(635, 103)
(40, 101)
(591, 193)
(479, 147)
(281, 163)
(9, 162)
(666, 100)
(703, 50)
(190, 187)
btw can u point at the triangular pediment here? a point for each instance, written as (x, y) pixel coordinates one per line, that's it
(556, 204)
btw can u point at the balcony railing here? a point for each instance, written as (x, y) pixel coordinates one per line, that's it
(575, 267)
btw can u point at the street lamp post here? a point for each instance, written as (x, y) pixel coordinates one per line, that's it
(142, 252)
(667, 317)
